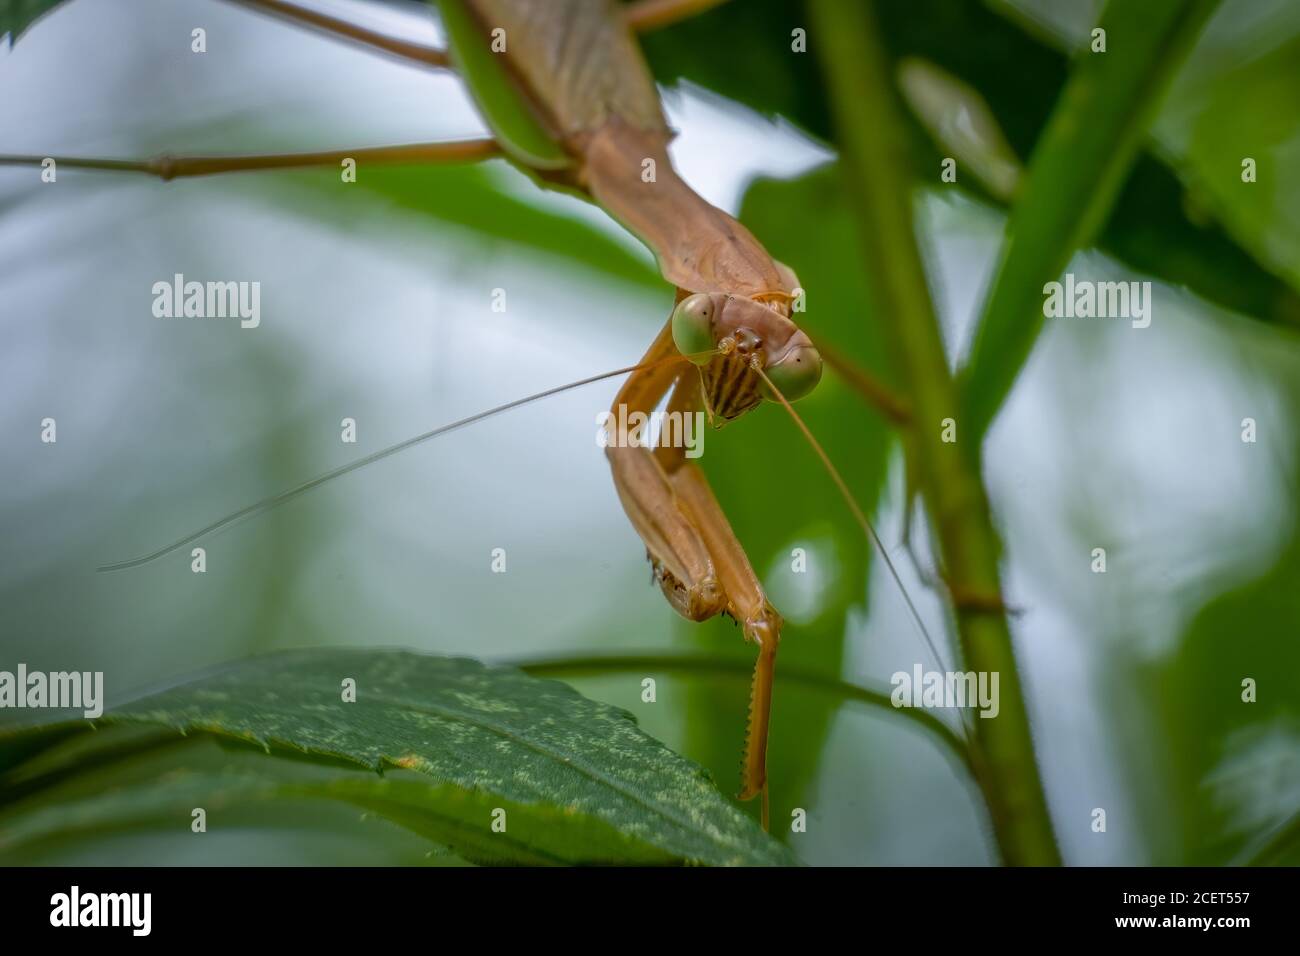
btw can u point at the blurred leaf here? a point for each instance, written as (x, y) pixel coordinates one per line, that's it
(448, 815)
(758, 69)
(1020, 78)
(17, 15)
(1076, 172)
(1250, 111)
(1282, 848)
(960, 122)
(1236, 765)
(571, 768)
(16, 748)
(470, 197)
(59, 753)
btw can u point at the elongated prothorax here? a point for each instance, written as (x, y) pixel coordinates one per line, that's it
(602, 107)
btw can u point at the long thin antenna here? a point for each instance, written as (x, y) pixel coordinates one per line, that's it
(266, 504)
(867, 528)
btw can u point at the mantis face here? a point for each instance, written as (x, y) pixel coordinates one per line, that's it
(743, 335)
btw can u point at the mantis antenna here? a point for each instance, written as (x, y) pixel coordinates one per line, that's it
(266, 504)
(863, 522)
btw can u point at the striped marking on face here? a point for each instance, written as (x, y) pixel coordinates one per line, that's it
(730, 386)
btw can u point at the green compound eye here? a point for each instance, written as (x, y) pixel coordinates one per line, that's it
(795, 375)
(693, 327)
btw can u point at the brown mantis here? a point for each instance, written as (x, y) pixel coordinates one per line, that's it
(567, 93)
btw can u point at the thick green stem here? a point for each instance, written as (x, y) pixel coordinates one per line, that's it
(879, 187)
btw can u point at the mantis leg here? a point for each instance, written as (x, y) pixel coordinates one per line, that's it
(402, 49)
(167, 167)
(683, 567)
(642, 16)
(746, 602)
(699, 563)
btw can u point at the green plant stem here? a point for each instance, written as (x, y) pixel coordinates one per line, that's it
(873, 391)
(879, 188)
(598, 664)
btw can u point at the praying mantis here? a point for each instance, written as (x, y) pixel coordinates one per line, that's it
(594, 123)
(569, 99)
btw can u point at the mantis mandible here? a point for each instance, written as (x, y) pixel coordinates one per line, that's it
(568, 96)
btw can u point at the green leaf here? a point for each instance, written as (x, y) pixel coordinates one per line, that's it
(448, 815)
(1235, 766)
(1077, 170)
(17, 15)
(579, 781)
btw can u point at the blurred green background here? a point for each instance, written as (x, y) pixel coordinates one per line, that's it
(376, 305)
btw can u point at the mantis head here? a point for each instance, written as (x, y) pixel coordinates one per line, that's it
(741, 335)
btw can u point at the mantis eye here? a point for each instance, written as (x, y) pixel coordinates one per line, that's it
(795, 375)
(693, 327)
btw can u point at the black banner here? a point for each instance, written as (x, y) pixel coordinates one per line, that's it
(894, 906)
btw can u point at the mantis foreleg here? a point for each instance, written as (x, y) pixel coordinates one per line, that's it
(699, 563)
